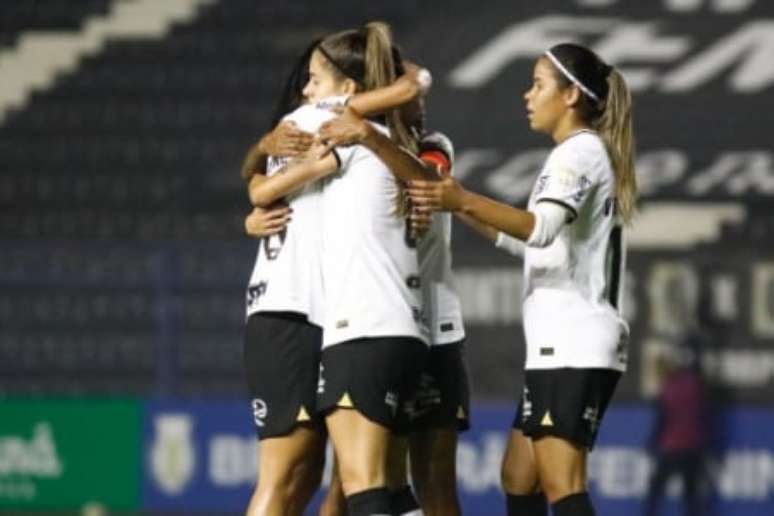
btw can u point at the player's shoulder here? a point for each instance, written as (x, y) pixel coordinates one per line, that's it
(309, 117)
(584, 150)
(583, 144)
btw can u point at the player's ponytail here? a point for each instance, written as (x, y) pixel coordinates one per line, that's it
(380, 71)
(605, 104)
(615, 128)
(365, 55)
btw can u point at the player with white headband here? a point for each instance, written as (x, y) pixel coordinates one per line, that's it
(573, 266)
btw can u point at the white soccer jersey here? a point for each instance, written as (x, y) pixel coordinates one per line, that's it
(439, 290)
(287, 272)
(371, 274)
(572, 288)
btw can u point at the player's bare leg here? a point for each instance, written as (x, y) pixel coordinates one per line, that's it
(289, 472)
(562, 471)
(362, 448)
(520, 479)
(334, 503)
(434, 471)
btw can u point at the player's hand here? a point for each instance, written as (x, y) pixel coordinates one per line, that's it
(264, 222)
(421, 219)
(348, 128)
(286, 140)
(444, 195)
(421, 77)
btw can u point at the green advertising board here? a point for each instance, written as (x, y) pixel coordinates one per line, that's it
(64, 454)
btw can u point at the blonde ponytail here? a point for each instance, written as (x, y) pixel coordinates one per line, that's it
(615, 128)
(365, 56)
(379, 73)
(379, 67)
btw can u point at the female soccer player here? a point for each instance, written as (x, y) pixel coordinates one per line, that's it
(285, 300)
(374, 341)
(574, 257)
(439, 408)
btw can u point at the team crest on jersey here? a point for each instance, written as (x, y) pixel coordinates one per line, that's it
(260, 411)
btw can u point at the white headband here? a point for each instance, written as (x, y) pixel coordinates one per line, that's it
(570, 76)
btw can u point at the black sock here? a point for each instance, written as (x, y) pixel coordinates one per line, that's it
(527, 505)
(578, 504)
(371, 502)
(403, 501)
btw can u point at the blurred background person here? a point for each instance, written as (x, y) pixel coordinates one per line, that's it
(681, 434)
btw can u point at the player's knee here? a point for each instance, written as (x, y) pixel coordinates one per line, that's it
(515, 479)
(437, 474)
(557, 487)
(307, 477)
(509, 480)
(358, 475)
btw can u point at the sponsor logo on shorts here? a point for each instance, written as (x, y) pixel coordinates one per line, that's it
(447, 327)
(260, 410)
(342, 324)
(320, 381)
(591, 414)
(546, 352)
(526, 406)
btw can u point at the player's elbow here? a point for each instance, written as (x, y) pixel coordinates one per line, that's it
(549, 219)
(261, 196)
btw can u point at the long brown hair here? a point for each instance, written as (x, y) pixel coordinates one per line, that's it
(606, 105)
(365, 56)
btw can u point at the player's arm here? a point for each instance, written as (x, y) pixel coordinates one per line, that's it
(351, 128)
(266, 190)
(507, 243)
(482, 229)
(414, 82)
(263, 222)
(284, 140)
(538, 228)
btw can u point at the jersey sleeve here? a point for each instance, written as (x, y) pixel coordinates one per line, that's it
(565, 180)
